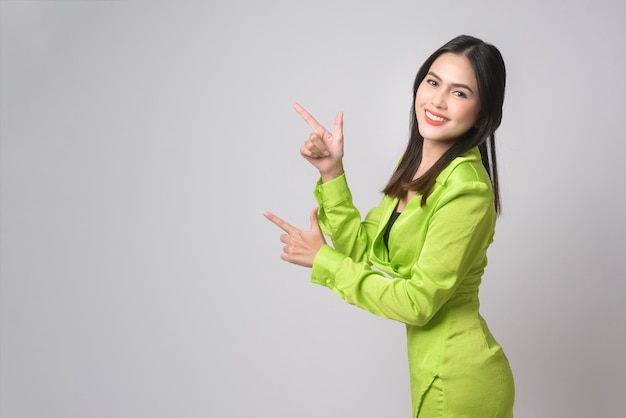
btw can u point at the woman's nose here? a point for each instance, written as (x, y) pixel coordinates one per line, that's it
(437, 99)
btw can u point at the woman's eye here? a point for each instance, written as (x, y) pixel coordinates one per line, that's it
(459, 94)
(432, 82)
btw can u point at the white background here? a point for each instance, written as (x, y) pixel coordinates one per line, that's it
(141, 142)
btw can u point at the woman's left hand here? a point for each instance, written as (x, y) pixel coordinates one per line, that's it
(301, 247)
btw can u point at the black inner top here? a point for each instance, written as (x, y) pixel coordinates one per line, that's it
(392, 220)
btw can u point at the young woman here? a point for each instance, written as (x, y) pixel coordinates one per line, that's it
(418, 257)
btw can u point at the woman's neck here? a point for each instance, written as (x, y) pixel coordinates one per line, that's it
(431, 153)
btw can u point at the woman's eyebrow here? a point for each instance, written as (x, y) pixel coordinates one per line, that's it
(465, 86)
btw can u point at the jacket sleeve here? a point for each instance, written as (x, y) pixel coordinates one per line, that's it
(459, 232)
(341, 220)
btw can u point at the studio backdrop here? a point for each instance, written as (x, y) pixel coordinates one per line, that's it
(142, 141)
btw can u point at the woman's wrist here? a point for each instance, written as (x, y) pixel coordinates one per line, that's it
(332, 174)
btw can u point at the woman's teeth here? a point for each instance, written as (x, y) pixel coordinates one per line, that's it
(435, 118)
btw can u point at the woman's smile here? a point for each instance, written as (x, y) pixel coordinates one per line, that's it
(434, 118)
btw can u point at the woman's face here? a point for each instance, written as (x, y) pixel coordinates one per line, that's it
(447, 103)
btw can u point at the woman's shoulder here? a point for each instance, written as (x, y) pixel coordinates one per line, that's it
(466, 168)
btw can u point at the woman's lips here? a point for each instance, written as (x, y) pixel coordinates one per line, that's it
(434, 119)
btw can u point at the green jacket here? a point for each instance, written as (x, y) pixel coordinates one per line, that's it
(428, 279)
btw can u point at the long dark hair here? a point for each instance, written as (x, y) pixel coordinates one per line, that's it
(489, 69)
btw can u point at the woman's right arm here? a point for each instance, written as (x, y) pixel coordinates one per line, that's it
(338, 217)
(340, 220)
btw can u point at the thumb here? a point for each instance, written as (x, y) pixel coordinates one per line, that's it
(338, 125)
(315, 225)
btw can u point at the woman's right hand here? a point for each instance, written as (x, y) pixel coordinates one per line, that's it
(324, 150)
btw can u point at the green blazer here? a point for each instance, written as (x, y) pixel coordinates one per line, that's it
(428, 279)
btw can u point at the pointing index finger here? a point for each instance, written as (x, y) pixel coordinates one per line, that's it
(279, 222)
(309, 119)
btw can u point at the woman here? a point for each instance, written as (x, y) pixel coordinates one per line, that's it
(419, 256)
